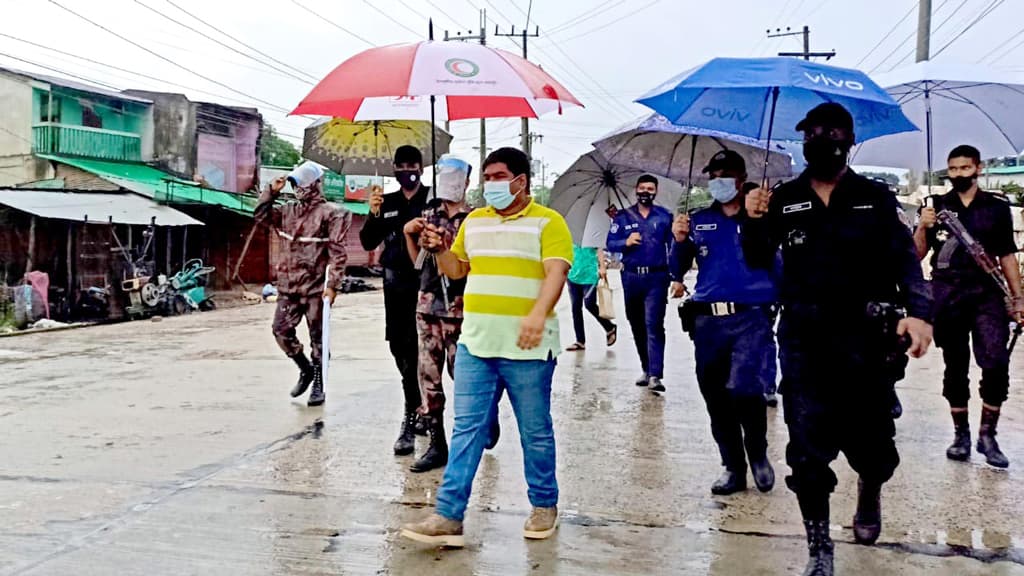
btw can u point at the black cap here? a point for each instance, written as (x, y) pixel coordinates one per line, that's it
(829, 115)
(726, 160)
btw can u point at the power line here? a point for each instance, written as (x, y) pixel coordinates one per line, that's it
(390, 17)
(333, 23)
(594, 14)
(914, 34)
(59, 71)
(1012, 37)
(249, 46)
(446, 14)
(888, 34)
(1010, 51)
(575, 19)
(218, 42)
(613, 22)
(164, 58)
(991, 8)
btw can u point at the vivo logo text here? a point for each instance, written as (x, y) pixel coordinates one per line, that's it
(828, 81)
(734, 114)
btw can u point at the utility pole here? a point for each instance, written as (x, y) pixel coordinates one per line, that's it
(527, 142)
(806, 54)
(924, 30)
(482, 38)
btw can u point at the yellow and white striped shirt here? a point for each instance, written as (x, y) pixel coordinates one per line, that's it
(506, 255)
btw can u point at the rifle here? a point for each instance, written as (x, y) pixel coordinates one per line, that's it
(987, 264)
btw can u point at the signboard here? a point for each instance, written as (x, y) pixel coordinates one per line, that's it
(334, 185)
(358, 187)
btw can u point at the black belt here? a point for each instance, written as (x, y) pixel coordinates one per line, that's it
(723, 308)
(643, 270)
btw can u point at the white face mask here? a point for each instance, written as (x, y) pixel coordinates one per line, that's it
(723, 190)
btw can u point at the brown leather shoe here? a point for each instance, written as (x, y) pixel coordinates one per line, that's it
(436, 530)
(541, 524)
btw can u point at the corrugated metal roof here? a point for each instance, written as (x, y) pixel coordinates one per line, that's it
(73, 85)
(94, 207)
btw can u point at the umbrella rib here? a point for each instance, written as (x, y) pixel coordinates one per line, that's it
(626, 143)
(989, 117)
(672, 156)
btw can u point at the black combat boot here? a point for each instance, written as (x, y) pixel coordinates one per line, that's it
(820, 548)
(960, 449)
(436, 455)
(422, 426)
(730, 482)
(406, 442)
(987, 444)
(305, 375)
(316, 397)
(764, 474)
(867, 521)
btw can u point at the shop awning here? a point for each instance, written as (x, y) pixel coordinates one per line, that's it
(158, 185)
(95, 207)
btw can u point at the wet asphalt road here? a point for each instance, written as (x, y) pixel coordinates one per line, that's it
(173, 448)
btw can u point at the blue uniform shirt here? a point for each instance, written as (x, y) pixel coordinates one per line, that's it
(655, 232)
(723, 274)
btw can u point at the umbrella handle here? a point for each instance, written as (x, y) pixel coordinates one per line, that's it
(771, 127)
(689, 180)
(433, 142)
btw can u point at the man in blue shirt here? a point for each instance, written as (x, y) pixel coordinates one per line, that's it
(643, 235)
(732, 317)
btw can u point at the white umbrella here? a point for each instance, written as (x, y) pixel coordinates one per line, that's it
(952, 104)
(591, 185)
(654, 144)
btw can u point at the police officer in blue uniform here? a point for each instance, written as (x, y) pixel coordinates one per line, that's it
(643, 235)
(846, 254)
(731, 320)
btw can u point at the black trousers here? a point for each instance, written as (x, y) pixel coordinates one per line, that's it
(966, 316)
(836, 397)
(400, 299)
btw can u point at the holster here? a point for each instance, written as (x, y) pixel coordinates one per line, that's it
(688, 316)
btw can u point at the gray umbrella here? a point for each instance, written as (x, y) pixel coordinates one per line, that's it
(655, 145)
(368, 148)
(591, 186)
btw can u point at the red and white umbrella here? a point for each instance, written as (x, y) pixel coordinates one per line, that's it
(466, 80)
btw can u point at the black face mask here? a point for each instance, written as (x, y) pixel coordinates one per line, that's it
(407, 179)
(825, 157)
(645, 198)
(962, 184)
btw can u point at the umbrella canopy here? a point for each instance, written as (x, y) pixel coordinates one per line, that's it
(656, 145)
(468, 80)
(368, 148)
(953, 104)
(764, 98)
(591, 185)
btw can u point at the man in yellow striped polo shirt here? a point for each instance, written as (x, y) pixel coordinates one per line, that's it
(516, 254)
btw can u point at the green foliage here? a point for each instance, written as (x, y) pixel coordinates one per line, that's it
(542, 194)
(888, 177)
(276, 151)
(1013, 190)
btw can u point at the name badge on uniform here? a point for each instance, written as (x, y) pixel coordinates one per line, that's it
(706, 227)
(801, 207)
(864, 207)
(391, 214)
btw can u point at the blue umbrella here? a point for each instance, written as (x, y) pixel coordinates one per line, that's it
(765, 98)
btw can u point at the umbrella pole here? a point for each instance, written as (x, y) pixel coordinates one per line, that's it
(768, 143)
(689, 179)
(928, 133)
(433, 146)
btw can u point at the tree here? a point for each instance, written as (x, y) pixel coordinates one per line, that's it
(542, 194)
(276, 151)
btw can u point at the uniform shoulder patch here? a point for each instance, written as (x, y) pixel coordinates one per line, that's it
(706, 227)
(799, 207)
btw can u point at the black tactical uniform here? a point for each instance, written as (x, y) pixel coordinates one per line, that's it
(970, 308)
(401, 286)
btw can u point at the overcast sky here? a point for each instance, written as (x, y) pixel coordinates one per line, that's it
(609, 53)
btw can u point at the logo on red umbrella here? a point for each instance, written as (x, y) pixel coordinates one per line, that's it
(462, 68)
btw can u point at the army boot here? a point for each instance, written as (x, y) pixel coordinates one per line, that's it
(305, 375)
(867, 521)
(436, 455)
(406, 442)
(960, 449)
(820, 548)
(730, 482)
(316, 396)
(987, 444)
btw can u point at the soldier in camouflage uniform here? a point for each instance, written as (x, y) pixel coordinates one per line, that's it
(314, 234)
(439, 311)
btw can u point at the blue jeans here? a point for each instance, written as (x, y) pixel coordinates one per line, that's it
(479, 383)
